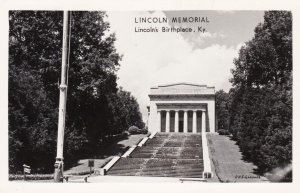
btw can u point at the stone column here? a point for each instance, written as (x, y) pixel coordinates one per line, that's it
(176, 121)
(159, 121)
(185, 122)
(203, 122)
(195, 121)
(168, 121)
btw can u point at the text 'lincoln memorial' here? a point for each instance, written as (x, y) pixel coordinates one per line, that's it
(182, 107)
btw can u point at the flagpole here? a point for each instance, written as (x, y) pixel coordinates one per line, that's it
(59, 164)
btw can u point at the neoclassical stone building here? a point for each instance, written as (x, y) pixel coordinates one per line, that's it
(181, 107)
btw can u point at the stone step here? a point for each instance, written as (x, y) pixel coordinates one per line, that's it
(159, 171)
(166, 155)
(197, 174)
(169, 151)
(176, 134)
(176, 153)
(160, 139)
(170, 168)
(161, 164)
(173, 144)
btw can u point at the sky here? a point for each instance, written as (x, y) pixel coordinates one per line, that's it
(156, 58)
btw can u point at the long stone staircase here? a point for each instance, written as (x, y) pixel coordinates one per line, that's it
(165, 155)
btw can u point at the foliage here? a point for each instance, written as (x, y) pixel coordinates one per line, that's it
(126, 111)
(34, 48)
(222, 110)
(135, 130)
(261, 97)
(223, 132)
(94, 104)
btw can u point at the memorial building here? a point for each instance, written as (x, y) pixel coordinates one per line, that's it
(181, 107)
(179, 116)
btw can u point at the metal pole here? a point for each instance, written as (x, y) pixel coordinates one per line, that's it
(58, 174)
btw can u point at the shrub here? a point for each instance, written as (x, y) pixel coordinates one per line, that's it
(133, 130)
(223, 132)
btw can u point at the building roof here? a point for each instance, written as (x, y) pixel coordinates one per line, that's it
(182, 89)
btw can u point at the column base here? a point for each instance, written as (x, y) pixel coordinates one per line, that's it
(207, 174)
(58, 170)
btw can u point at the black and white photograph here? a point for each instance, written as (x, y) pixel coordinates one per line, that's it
(145, 96)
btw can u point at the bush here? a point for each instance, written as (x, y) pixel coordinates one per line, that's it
(133, 130)
(223, 132)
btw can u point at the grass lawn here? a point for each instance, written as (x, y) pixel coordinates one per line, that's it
(228, 163)
(115, 147)
(105, 154)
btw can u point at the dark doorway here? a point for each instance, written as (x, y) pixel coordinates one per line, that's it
(180, 122)
(199, 122)
(172, 121)
(180, 129)
(190, 121)
(163, 121)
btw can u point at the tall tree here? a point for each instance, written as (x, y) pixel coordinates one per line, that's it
(267, 58)
(126, 110)
(261, 110)
(222, 110)
(34, 47)
(92, 77)
(35, 44)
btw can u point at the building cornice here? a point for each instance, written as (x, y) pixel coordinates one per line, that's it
(181, 96)
(182, 83)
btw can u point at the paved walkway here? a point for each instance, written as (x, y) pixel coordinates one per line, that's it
(228, 163)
